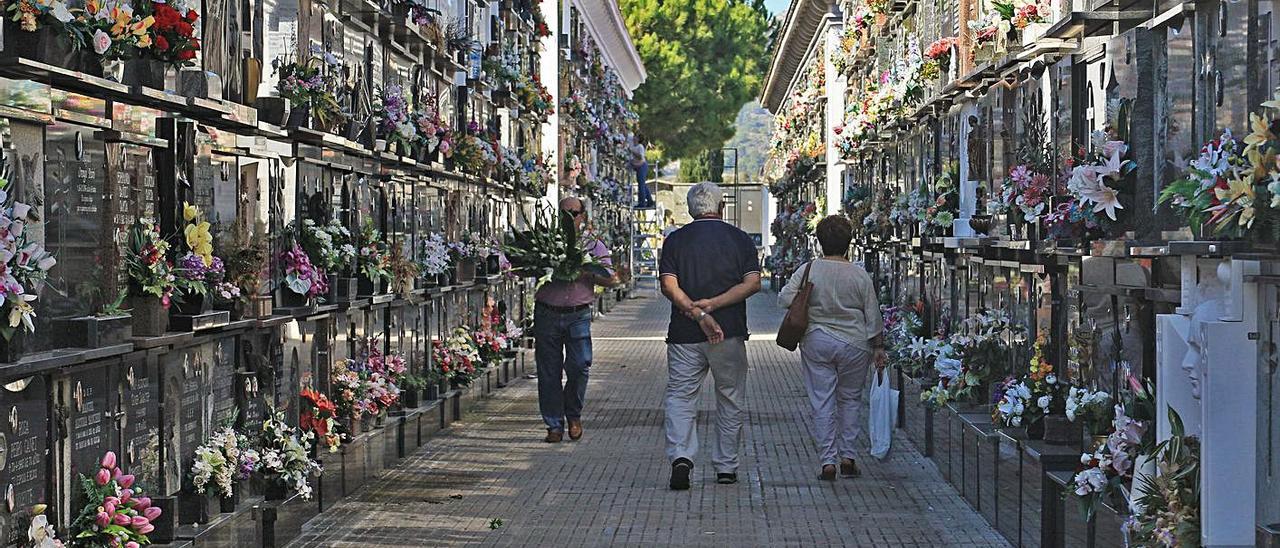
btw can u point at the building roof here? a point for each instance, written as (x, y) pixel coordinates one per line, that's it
(804, 18)
(604, 21)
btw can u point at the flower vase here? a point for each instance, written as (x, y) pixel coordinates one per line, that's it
(113, 69)
(381, 420)
(13, 348)
(412, 398)
(1035, 429)
(482, 267)
(150, 317)
(466, 270)
(369, 287)
(433, 392)
(229, 504)
(444, 279)
(492, 265)
(366, 425)
(984, 53)
(192, 305)
(299, 116)
(144, 72)
(275, 488)
(47, 44)
(1033, 32)
(291, 299)
(1058, 430)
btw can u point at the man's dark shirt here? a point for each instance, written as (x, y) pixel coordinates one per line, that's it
(707, 258)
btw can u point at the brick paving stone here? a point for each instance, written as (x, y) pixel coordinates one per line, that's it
(610, 488)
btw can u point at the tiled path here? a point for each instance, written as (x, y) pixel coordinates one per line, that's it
(610, 487)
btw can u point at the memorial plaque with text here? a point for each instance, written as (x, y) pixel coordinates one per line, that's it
(90, 425)
(223, 381)
(250, 383)
(139, 397)
(185, 399)
(26, 443)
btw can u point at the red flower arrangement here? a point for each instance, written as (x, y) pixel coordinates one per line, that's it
(173, 35)
(318, 415)
(940, 48)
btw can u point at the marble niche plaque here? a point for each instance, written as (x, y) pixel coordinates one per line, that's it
(89, 421)
(138, 397)
(185, 396)
(25, 438)
(223, 382)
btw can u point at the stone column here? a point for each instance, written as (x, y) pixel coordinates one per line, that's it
(835, 89)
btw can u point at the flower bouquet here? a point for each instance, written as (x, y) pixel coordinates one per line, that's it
(396, 125)
(1232, 190)
(301, 277)
(222, 461)
(115, 513)
(1091, 407)
(308, 85)
(971, 356)
(286, 459)
(1107, 469)
(173, 39)
(24, 267)
(456, 357)
(319, 418)
(150, 275)
(551, 252)
(373, 261)
(1167, 506)
(245, 268)
(403, 271)
(433, 258)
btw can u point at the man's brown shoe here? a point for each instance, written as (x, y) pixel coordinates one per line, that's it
(575, 429)
(554, 436)
(849, 469)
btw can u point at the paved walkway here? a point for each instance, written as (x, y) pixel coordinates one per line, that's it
(610, 488)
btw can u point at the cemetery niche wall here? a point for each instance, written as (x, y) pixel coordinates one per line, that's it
(1066, 207)
(250, 228)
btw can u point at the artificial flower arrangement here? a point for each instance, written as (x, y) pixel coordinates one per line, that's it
(939, 51)
(396, 124)
(301, 276)
(1025, 401)
(551, 250)
(456, 356)
(433, 133)
(902, 325)
(173, 39)
(1026, 192)
(1021, 13)
(30, 15)
(113, 29)
(245, 266)
(473, 155)
(540, 28)
(537, 171)
(225, 459)
(24, 266)
(1166, 511)
(374, 261)
(319, 418)
(433, 256)
(971, 356)
(1091, 407)
(286, 456)
(1232, 190)
(329, 245)
(368, 383)
(1108, 468)
(309, 84)
(535, 101)
(1097, 177)
(40, 533)
(198, 270)
(857, 201)
(941, 213)
(147, 263)
(404, 270)
(116, 512)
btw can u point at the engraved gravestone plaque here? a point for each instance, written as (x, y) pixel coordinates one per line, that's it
(75, 229)
(223, 380)
(25, 439)
(138, 395)
(89, 421)
(185, 374)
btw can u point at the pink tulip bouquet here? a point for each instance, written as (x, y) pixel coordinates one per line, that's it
(116, 514)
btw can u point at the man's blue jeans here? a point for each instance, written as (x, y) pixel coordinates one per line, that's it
(563, 346)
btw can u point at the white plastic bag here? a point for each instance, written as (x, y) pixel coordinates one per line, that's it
(884, 414)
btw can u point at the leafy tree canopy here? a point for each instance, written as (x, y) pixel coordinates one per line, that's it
(705, 59)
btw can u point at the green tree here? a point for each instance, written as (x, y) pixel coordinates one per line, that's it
(704, 166)
(705, 59)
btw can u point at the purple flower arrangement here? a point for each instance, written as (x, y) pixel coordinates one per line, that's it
(301, 276)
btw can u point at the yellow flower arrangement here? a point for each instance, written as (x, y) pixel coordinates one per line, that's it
(199, 240)
(1039, 367)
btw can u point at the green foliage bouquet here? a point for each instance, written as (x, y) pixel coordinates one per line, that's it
(552, 251)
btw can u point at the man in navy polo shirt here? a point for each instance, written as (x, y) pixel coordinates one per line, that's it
(708, 270)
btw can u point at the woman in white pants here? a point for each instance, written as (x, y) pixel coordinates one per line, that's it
(842, 342)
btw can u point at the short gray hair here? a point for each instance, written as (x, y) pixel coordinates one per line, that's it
(704, 198)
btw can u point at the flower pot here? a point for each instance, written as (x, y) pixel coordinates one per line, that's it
(1035, 429)
(272, 110)
(366, 425)
(369, 287)
(1058, 430)
(445, 279)
(13, 348)
(144, 72)
(150, 317)
(433, 392)
(229, 504)
(981, 224)
(46, 44)
(465, 270)
(257, 306)
(192, 305)
(342, 289)
(290, 299)
(412, 398)
(482, 267)
(93, 331)
(493, 266)
(379, 145)
(299, 116)
(275, 489)
(428, 280)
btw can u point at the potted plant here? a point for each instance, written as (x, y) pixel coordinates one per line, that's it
(308, 86)
(1094, 410)
(330, 246)
(319, 417)
(396, 125)
(151, 278)
(403, 271)
(246, 265)
(433, 260)
(110, 326)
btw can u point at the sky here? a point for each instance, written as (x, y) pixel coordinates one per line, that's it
(776, 7)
